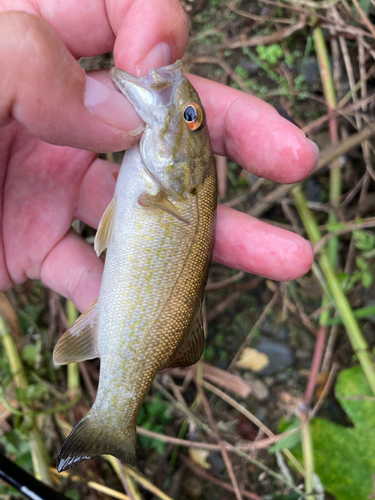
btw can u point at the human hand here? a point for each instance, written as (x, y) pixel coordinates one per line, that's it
(51, 117)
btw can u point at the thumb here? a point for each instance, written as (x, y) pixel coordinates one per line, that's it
(44, 88)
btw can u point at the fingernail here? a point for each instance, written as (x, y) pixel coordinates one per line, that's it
(158, 56)
(311, 244)
(112, 107)
(316, 151)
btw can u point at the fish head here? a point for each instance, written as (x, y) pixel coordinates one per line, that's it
(175, 142)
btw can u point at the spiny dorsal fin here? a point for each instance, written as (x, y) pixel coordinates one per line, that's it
(191, 348)
(80, 341)
(104, 234)
(161, 202)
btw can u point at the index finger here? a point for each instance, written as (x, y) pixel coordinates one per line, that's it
(253, 134)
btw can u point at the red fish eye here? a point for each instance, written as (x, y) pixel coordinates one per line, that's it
(193, 115)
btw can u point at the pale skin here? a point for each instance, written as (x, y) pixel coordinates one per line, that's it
(53, 120)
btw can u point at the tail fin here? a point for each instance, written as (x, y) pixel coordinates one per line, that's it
(89, 438)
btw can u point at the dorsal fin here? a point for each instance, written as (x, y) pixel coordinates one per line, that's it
(104, 234)
(80, 342)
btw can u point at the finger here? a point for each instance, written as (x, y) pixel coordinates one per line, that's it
(241, 241)
(43, 88)
(90, 28)
(253, 134)
(73, 270)
(247, 244)
(151, 34)
(96, 191)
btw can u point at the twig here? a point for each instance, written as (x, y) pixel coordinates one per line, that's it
(254, 329)
(370, 222)
(201, 472)
(259, 40)
(256, 445)
(91, 484)
(128, 483)
(327, 387)
(364, 17)
(145, 483)
(329, 349)
(266, 469)
(223, 450)
(315, 365)
(254, 17)
(213, 287)
(253, 419)
(221, 306)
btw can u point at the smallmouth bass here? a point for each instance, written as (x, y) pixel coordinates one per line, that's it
(159, 233)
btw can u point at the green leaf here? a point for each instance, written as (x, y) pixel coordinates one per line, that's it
(365, 5)
(288, 441)
(366, 279)
(363, 312)
(364, 241)
(36, 391)
(361, 263)
(30, 352)
(345, 456)
(73, 494)
(336, 226)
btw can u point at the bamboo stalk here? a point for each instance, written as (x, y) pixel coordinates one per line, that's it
(341, 302)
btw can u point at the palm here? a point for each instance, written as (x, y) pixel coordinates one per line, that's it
(41, 190)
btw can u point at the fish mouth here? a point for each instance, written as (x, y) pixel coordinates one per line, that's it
(156, 88)
(156, 79)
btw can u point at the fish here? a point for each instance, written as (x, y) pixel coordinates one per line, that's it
(158, 233)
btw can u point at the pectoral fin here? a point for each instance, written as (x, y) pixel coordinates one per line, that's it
(191, 348)
(161, 202)
(80, 341)
(104, 234)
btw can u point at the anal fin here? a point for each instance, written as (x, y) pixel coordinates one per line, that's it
(80, 341)
(191, 348)
(104, 234)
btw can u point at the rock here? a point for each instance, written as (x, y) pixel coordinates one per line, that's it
(280, 355)
(310, 71)
(260, 390)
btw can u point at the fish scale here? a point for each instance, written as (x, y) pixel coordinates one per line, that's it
(159, 233)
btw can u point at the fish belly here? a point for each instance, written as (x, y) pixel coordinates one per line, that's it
(143, 265)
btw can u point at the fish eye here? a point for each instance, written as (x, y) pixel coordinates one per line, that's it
(193, 115)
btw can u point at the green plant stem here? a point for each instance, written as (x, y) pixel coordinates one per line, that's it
(330, 97)
(38, 450)
(308, 456)
(74, 386)
(356, 338)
